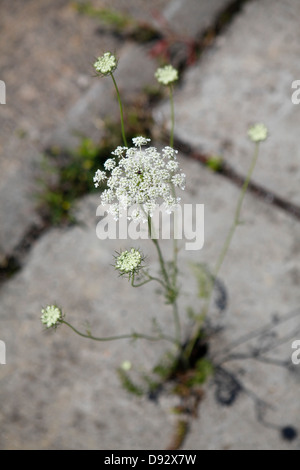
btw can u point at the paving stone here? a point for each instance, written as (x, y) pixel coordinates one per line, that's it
(190, 18)
(247, 78)
(18, 195)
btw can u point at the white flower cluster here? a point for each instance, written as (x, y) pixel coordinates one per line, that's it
(258, 133)
(106, 64)
(129, 262)
(141, 178)
(166, 75)
(51, 316)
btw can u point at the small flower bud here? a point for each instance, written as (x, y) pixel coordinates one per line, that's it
(258, 133)
(51, 316)
(129, 262)
(106, 64)
(166, 75)
(126, 366)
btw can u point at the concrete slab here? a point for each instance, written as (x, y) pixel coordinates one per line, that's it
(190, 18)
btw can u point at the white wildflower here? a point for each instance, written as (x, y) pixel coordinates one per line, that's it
(51, 316)
(129, 262)
(106, 64)
(137, 215)
(139, 141)
(110, 164)
(171, 203)
(119, 151)
(99, 177)
(114, 210)
(258, 133)
(169, 152)
(166, 75)
(179, 180)
(126, 365)
(172, 165)
(142, 177)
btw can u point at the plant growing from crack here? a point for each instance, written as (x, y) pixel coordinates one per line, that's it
(138, 179)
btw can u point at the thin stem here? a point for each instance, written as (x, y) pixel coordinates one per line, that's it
(233, 227)
(140, 284)
(236, 221)
(160, 256)
(175, 242)
(121, 110)
(175, 245)
(167, 284)
(114, 338)
(226, 246)
(150, 278)
(172, 116)
(177, 322)
(162, 263)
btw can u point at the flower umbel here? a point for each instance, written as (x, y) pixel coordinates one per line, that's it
(99, 177)
(139, 179)
(51, 316)
(129, 262)
(258, 133)
(166, 75)
(106, 64)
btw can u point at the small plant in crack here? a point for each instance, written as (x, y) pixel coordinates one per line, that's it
(64, 177)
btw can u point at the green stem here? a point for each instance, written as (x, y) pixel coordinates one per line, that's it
(160, 256)
(121, 110)
(236, 221)
(162, 264)
(150, 278)
(175, 242)
(167, 284)
(177, 323)
(172, 116)
(175, 246)
(114, 338)
(226, 246)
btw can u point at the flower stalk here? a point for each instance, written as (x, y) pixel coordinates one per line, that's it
(257, 134)
(132, 336)
(121, 110)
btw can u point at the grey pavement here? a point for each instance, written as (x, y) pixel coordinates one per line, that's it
(60, 391)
